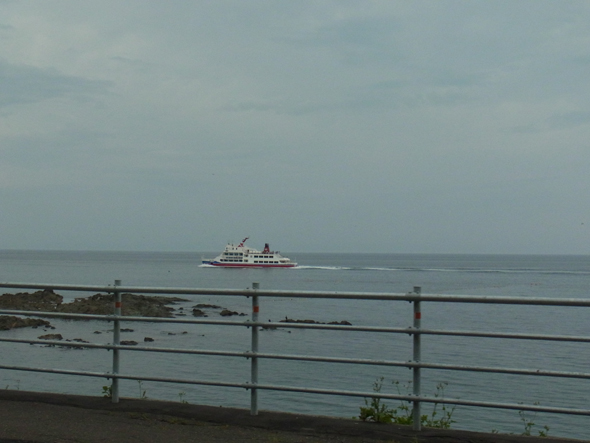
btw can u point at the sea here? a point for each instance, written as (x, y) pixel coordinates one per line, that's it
(555, 276)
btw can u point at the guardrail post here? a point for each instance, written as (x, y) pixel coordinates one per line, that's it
(116, 342)
(254, 363)
(416, 371)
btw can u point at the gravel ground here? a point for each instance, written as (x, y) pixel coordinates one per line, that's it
(28, 417)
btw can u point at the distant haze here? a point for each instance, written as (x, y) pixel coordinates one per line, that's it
(332, 126)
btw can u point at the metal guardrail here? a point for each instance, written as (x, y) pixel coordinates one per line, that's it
(416, 364)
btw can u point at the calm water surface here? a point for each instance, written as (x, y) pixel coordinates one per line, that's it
(523, 276)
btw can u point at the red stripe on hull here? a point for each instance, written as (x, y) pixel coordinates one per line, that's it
(247, 265)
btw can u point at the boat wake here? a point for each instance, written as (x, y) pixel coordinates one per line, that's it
(345, 268)
(458, 270)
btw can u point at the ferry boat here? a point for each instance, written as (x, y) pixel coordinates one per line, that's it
(242, 256)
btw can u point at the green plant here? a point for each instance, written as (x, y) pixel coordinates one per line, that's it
(107, 391)
(181, 396)
(446, 418)
(377, 411)
(529, 423)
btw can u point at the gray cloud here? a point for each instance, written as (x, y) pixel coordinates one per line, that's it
(401, 126)
(28, 84)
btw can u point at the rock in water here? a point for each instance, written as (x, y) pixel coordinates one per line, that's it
(11, 322)
(50, 337)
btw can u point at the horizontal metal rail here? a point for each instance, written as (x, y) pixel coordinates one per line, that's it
(296, 357)
(410, 297)
(409, 398)
(302, 325)
(415, 297)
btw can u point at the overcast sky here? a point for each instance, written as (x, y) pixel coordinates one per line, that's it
(318, 126)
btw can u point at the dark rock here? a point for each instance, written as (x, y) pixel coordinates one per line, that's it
(314, 322)
(50, 337)
(11, 322)
(100, 304)
(126, 330)
(206, 306)
(128, 342)
(199, 313)
(228, 313)
(132, 305)
(45, 300)
(148, 339)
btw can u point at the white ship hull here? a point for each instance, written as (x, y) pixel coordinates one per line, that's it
(242, 256)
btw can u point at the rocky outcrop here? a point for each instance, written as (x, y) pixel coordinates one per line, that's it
(45, 300)
(51, 337)
(132, 305)
(228, 313)
(11, 322)
(99, 304)
(314, 322)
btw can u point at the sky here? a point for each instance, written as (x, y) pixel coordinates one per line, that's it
(386, 126)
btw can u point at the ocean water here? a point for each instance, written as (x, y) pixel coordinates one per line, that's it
(505, 275)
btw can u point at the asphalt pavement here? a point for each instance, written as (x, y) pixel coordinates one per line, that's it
(29, 417)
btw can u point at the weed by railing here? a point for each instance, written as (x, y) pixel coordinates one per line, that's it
(376, 410)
